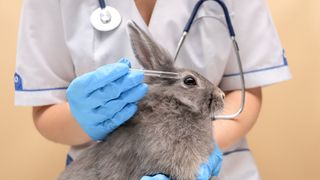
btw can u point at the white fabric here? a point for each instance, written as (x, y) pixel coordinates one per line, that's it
(57, 43)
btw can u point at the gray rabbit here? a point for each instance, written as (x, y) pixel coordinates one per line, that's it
(171, 133)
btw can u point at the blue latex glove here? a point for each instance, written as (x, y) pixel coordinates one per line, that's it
(156, 177)
(206, 170)
(213, 166)
(104, 99)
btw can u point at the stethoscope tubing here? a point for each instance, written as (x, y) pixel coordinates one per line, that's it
(196, 9)
(235, 47)
(243, 88)
(102, 4)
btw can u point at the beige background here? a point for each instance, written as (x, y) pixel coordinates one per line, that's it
(285, 141)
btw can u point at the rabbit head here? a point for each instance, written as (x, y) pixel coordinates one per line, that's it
(191, 90)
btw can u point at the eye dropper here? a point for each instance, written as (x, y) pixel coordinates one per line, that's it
(160, 74)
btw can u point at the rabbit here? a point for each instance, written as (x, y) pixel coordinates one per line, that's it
(171, 133)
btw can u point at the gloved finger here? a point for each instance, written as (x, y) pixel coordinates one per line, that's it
(125, 61)
(204, 173)
(100, 77)
(215, 160)
(114, 89)
(120, 117)
(132, 79)
(134, 94)
(131, 96)
(156, 177)
(213, 166)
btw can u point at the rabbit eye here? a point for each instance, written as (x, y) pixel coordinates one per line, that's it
(190, 81)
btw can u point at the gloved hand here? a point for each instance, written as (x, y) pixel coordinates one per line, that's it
(213, 166)
(104, 99)
(156, 177)
(206, 170)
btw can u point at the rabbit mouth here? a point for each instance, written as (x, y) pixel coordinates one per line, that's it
(210, 102)
(215, 104)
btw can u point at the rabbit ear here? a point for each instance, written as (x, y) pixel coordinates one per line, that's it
(150, 54)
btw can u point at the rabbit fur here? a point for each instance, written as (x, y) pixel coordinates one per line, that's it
(171, 133)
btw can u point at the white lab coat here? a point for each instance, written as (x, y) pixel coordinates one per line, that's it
(57, 43)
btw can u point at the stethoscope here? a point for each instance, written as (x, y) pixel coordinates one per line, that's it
(107, 18)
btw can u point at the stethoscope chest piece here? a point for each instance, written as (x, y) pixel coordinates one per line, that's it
(106, 19)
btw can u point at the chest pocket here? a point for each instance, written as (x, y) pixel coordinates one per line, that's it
(207, 48)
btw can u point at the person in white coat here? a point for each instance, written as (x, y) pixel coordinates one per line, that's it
(58, 47)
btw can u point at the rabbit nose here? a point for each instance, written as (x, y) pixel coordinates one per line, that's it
(222, 95)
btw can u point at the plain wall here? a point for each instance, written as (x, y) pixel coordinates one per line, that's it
(285, 141)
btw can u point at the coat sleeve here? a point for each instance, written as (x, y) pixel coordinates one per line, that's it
(262, 54)
(44, 67)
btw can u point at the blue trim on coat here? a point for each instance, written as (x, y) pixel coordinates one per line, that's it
(69, 160)
(17, 82)
(18, 86)
(257, 70)
(285, 63)
(234, 151)
(38, 90)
